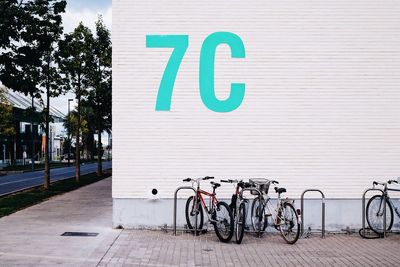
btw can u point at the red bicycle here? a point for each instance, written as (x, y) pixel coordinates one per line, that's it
(218, 212)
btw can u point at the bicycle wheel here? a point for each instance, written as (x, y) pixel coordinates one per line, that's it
(240, 222)
(191, 212)
(288, 223)
(258, 219)
(374, 214)
(223, 222)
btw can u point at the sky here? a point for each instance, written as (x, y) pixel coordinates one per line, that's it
(86, 11)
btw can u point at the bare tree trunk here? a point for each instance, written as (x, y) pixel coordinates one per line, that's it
(99, 155)
(78, 154)
(46, 182)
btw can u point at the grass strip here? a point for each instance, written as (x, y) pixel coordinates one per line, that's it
(18, 201)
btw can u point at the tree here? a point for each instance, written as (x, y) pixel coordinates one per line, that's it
(6, 115)
(75, 59)
(46, 24)
(100, 96)
(28, 63)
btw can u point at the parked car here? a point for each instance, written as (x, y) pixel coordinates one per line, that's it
(65, 157)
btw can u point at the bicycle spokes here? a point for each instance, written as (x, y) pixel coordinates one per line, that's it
(289, 224)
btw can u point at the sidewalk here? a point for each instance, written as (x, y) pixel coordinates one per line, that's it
(155, 248)
(32, 238)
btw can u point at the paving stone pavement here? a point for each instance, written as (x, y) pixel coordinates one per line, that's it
(157, 248)
(31, 237)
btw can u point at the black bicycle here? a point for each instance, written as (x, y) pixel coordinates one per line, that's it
(238, 207)
(376, 208)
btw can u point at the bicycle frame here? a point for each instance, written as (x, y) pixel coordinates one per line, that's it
(273, 211)
(212, 203)
(391, 202)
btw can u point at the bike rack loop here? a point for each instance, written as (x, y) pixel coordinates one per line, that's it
(251, 189)
(363, 209)
(323, 210)
(175, 206)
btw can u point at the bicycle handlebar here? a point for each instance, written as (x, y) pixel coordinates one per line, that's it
(196, 180)
(274, 182)
(229, 181)
(376, 183)
(388, 182)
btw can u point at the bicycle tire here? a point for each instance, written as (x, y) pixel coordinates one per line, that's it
(291, 220)
(240, 222)
(224, 223)
(370, 213)
(258, 219)
(190, 214)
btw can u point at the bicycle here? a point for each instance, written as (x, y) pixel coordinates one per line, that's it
(238, 207)
(218, 212)
(284, 216)
(375, 209)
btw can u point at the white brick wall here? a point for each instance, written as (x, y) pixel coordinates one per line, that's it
(322, 100)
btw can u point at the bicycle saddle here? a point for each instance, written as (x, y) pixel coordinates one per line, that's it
(215, 185)
(280, 190)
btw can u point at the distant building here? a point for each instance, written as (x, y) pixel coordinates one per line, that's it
(18, 149)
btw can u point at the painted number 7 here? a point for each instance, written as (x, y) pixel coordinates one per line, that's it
(206, 73)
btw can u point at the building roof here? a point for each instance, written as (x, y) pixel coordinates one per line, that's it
(22, 101)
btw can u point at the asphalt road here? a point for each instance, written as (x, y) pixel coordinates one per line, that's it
(14, 182)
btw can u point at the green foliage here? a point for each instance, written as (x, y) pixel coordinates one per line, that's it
(75, 59)
(15, 52)
(29, 30)
(6, 115)
(100, 97)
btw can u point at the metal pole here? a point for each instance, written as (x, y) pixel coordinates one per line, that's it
(302, 214)
(302, 210)
(323, 218)
(384, 215)
(69, 132)
(363, 212)
(259, 196)
(33, 138)
(363, 209)
(175, 205)
(196, 203)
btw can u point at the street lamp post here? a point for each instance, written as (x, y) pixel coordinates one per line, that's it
(33, 137)
(4, 153)
(69, 132)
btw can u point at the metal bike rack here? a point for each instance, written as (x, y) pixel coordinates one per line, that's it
(363, 209)
(323, 210)
(251, 189)
(175, 206)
